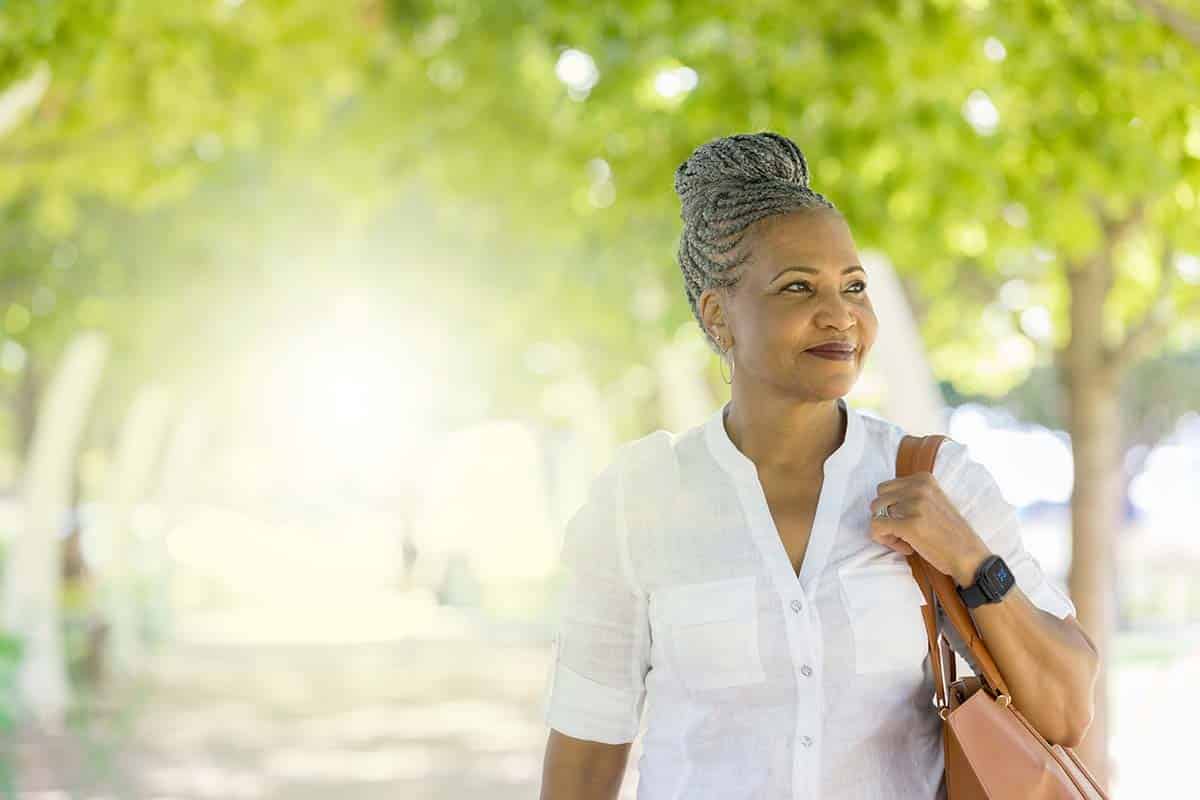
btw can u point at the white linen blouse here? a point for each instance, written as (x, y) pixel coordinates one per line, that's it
(680, 600)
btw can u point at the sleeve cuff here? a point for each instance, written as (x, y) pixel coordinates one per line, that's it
(584, 709)
(1049, 598)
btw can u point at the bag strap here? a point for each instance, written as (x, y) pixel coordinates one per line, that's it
(918, 454)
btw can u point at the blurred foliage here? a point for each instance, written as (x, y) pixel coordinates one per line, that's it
(10, 658)
(879, 101)
(188, 158)
(1154, 395)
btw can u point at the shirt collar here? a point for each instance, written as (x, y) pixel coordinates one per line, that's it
(736, 463)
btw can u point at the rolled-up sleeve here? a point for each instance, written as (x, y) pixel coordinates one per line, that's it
(978, 497)
(596, 686)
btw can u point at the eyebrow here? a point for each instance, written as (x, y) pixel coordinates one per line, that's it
(810, 270)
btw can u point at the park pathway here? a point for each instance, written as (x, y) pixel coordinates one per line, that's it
(419, 718)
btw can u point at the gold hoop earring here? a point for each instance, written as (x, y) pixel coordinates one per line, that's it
(732, 365)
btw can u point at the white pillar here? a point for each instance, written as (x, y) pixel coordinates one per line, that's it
(190, 433)
(911, 396)
(34, 569)
(139, 445)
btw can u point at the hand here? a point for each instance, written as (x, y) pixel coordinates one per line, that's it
(925, 521)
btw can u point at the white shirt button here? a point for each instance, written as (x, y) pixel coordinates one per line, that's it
(796, 606)
(806, 670)
(806, 741)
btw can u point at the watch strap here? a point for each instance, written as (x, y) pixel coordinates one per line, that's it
(973, 595)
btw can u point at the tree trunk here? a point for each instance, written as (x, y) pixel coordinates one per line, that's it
(29, 393)
(1093, 398)
(139, 446)
(1095, 519)
(911, 395)
(30, 600)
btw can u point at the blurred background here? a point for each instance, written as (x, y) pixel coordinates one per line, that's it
(317, 319)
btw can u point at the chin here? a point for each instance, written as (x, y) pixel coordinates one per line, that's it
(828, 392)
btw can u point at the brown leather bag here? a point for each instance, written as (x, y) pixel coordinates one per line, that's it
(992, 752)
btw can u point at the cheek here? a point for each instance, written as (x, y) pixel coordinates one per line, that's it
(869, 324)
(790, 334)
(773, 331)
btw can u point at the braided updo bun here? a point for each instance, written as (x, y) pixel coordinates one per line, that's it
(724, 187)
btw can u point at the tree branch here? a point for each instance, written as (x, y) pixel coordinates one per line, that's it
(22, 96)
(46, 151)
(1116, 228)
(1177, 21)
(1152, 327)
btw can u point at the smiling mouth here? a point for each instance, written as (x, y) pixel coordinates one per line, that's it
(833, 355)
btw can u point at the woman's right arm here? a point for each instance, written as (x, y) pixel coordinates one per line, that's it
(596, 691)
(578, 769)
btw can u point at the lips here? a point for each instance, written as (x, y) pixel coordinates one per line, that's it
(833, 348)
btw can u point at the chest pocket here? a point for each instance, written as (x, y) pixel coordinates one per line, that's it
(883, 603)
(709, 631)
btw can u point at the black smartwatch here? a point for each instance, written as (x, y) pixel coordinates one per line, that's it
(993, 579)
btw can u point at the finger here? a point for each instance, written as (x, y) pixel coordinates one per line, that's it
(891, 496)
(898, 507)
(895, 543)
(877, 504)
(899, 483)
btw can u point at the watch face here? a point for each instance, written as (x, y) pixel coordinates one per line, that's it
(996, 578)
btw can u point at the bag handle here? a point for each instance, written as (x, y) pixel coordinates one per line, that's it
(918, 454)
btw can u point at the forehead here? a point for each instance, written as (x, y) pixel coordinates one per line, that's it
(818, 238)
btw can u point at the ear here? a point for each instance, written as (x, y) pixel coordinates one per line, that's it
(712, 310)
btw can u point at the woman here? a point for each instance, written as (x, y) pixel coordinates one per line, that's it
(745, 581)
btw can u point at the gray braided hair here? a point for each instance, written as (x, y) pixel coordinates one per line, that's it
(725, 186)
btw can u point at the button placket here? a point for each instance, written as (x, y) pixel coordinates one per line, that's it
(808, 713)
(797, 606)
(798, 592)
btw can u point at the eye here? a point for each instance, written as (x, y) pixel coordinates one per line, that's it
(861, 284)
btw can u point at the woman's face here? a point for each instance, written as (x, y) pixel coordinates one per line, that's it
(801, 286)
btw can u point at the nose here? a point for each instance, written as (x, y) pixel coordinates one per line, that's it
(835, 312)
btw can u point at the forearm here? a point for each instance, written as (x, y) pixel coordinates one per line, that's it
(1048, 663)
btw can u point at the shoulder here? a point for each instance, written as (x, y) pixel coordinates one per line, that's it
(954, 468)
(883, 436)
(626, 497)
(880, 433)
(656, 444)
(647, 464)
(644, 462)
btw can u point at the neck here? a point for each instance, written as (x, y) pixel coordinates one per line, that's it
(782, 435)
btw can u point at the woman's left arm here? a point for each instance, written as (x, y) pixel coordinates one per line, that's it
(1049, 663)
